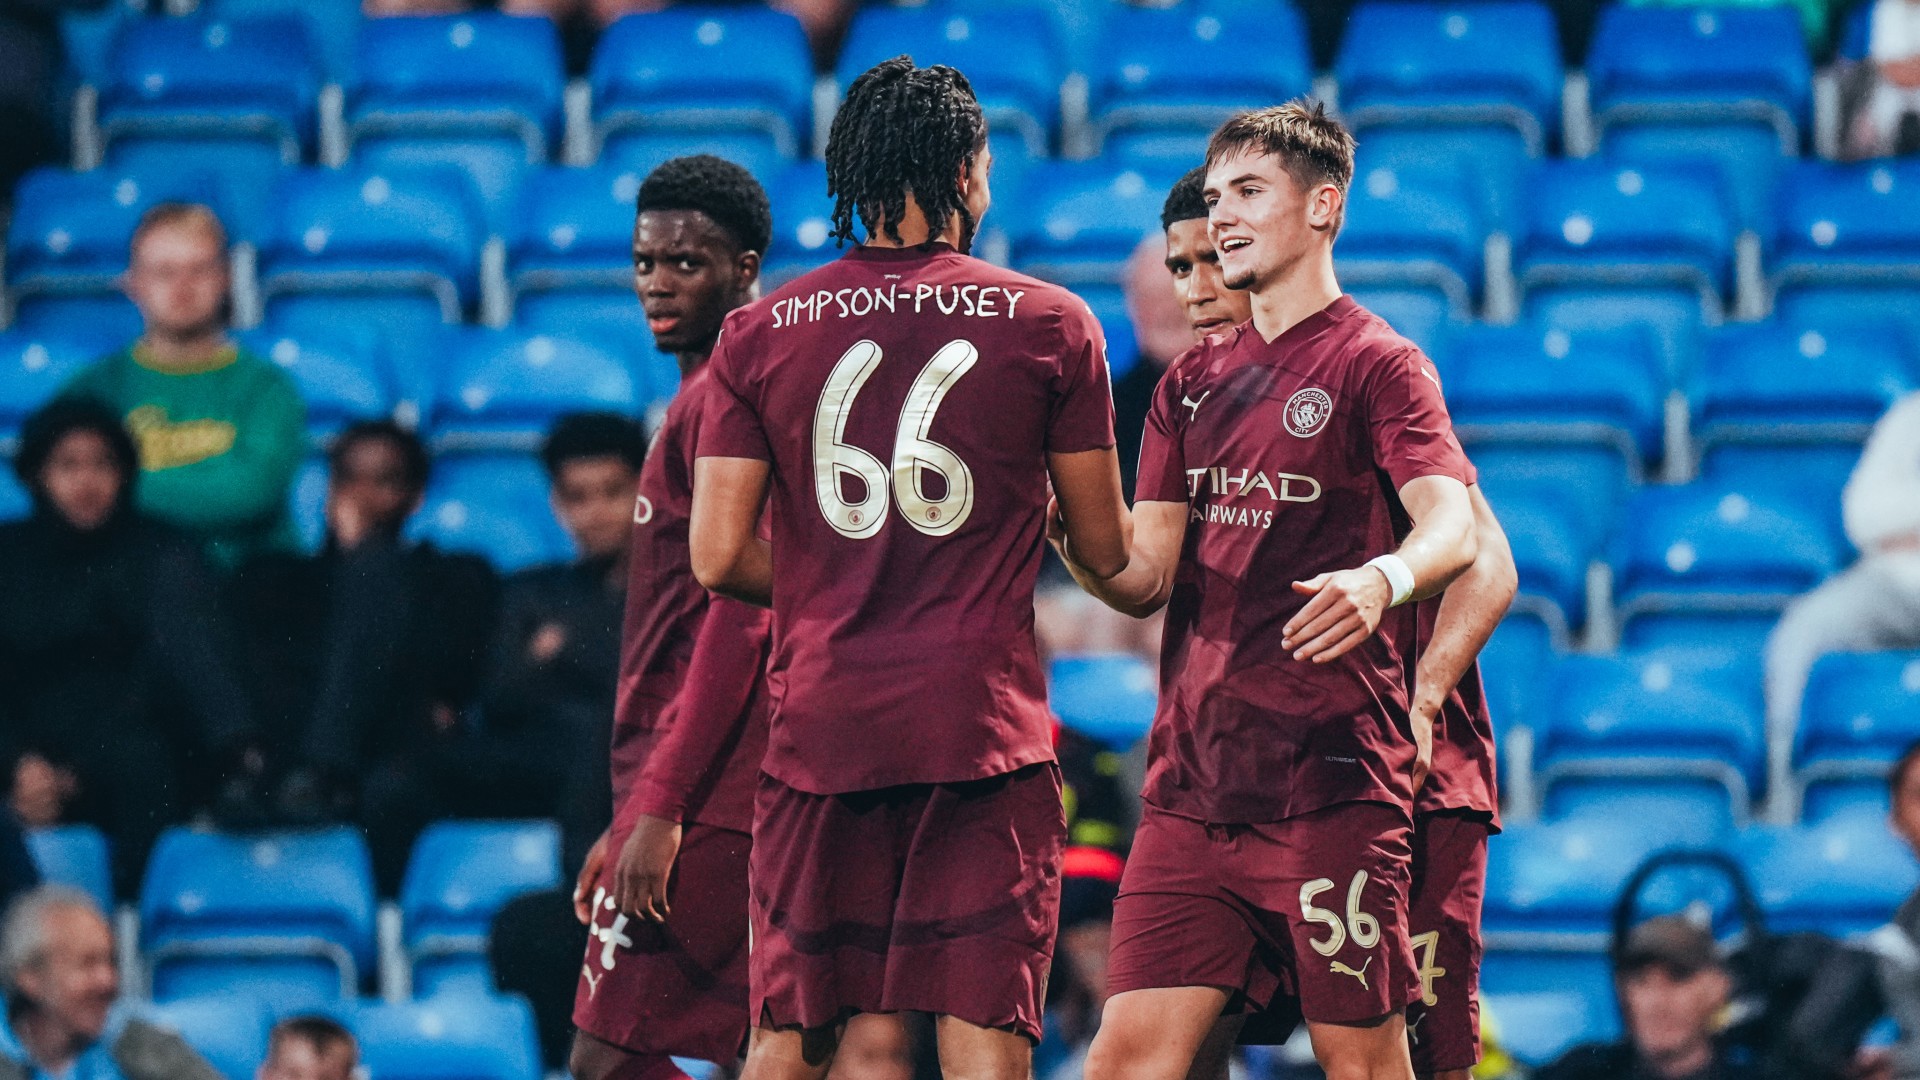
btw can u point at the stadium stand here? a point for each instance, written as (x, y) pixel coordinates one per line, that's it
(1663, 325)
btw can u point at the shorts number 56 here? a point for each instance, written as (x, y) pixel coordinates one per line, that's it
(1364, 928)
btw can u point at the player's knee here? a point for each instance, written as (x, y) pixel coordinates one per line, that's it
(1123, 1051)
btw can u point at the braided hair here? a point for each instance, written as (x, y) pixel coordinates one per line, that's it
(903, 129)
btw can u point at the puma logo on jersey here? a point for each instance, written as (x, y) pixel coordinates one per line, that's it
(1194, 405)
(1431, 377)
(1413, 1025)
(1337, 966)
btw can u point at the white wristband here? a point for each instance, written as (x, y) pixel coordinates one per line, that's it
(1399, 576)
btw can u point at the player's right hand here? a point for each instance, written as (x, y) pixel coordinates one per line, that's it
(646, 863)
(589, 873)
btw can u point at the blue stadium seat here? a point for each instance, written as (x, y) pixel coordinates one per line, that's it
(465, 74)
(1672, 316)
(1109, 305)
(1555, 882)
(495, 167)
(1422, 316)
(1860, 712)
(403, 330)
(1584, 977)
(110, 315)
(1521, 647)
(1588, 482)
(1746, 160)
(459, 876)
(416, 233)
(1816, 472)
(1107, 696)
(574, 228)
(1178, 70)
(1551, 553)
(1484, 63)
(1843, 876)
(613, 319)
(1538, 1026)
(290, 914)
(504, 388)
(245, 79)
(230, 1031)
(802, 224)
(705, 69)
(1780, 383)
(1080, 221)
(88, 36)
(1731, 643)
(1414, 227)
(1842, 305)
(240, 175)
(308, 500)
(494, 506)
(1557, 504)
(1010, 54)
(1699, 807)
(1652, 65)
(1632, 227)
(1493, 161)
(332, 25)
(1644, 717)
(1855, 224)
(1721, 547)
(76, 856)
(340, 375)
(1832, 800)
(33, 367)
(1536, 384)
(640, 152)
(486, 1038)
(69, 231)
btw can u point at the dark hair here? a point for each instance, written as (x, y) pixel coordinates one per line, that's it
(717, 188)
(321, 1032)
(1902, 765)
(903, 129)
(54, 421)
(1313, 147)
(593, 435)
(1185, 201)
(413, 453)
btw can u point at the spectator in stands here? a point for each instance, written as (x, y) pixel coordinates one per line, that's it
(1875, 604)
(1889, 120)
(1874, 977)
(30, 61)
(56, 962)
(121, 697)
(310, 1048)
(367, 656)
(220, 430)
(556, 658)
(1674, 991)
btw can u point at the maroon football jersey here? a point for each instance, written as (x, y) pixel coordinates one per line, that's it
(1462, 776)
(665, 610)
(907, 400)
(1290, 455)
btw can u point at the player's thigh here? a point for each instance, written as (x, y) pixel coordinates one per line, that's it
(1214, 1059)
(790, 1053)
(1371, 1050)
(971, 1052)
(1154, 1034)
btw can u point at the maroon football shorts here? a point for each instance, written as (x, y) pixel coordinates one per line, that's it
(936, 898)
(1449, 879)
(1314, 906)
(681, 988)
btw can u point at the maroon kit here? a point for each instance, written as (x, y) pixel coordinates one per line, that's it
(1278, 791)
(907, 400)
(692, 695)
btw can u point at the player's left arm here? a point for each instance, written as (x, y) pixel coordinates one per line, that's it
(729, 557)
(1470, 609)
(1347, 604)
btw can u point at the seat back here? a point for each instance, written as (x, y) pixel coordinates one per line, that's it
(703, 67)
(475, 71)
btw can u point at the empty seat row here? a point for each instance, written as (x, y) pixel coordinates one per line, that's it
(253, 69)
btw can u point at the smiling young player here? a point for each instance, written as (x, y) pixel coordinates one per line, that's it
(663, 978)
(1299, 477)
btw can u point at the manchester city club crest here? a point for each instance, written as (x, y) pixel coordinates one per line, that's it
(1308, 411)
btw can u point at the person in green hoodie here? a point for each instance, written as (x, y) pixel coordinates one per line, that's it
(220, 430)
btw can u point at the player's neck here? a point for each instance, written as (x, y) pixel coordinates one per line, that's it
(691, 361)
(913, 230)
(1294, 295)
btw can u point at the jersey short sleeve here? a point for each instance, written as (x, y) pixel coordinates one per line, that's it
(1407, 419)
(1082, 413)
(1162, 476)
(732, 426)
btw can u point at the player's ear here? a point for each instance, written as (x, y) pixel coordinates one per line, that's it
(1324, 205)
(746, 272)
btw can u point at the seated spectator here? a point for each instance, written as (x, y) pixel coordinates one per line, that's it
(1869, 979)
(367, 656)
(1674, 992)
(1888, 121)
(310, 1048)
(56, 961)
(1874, 604)
(549, 708)
(122, 702)
(220, 430)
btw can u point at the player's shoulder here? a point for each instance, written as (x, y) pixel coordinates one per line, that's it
(1371, 344)
(1204, 355)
